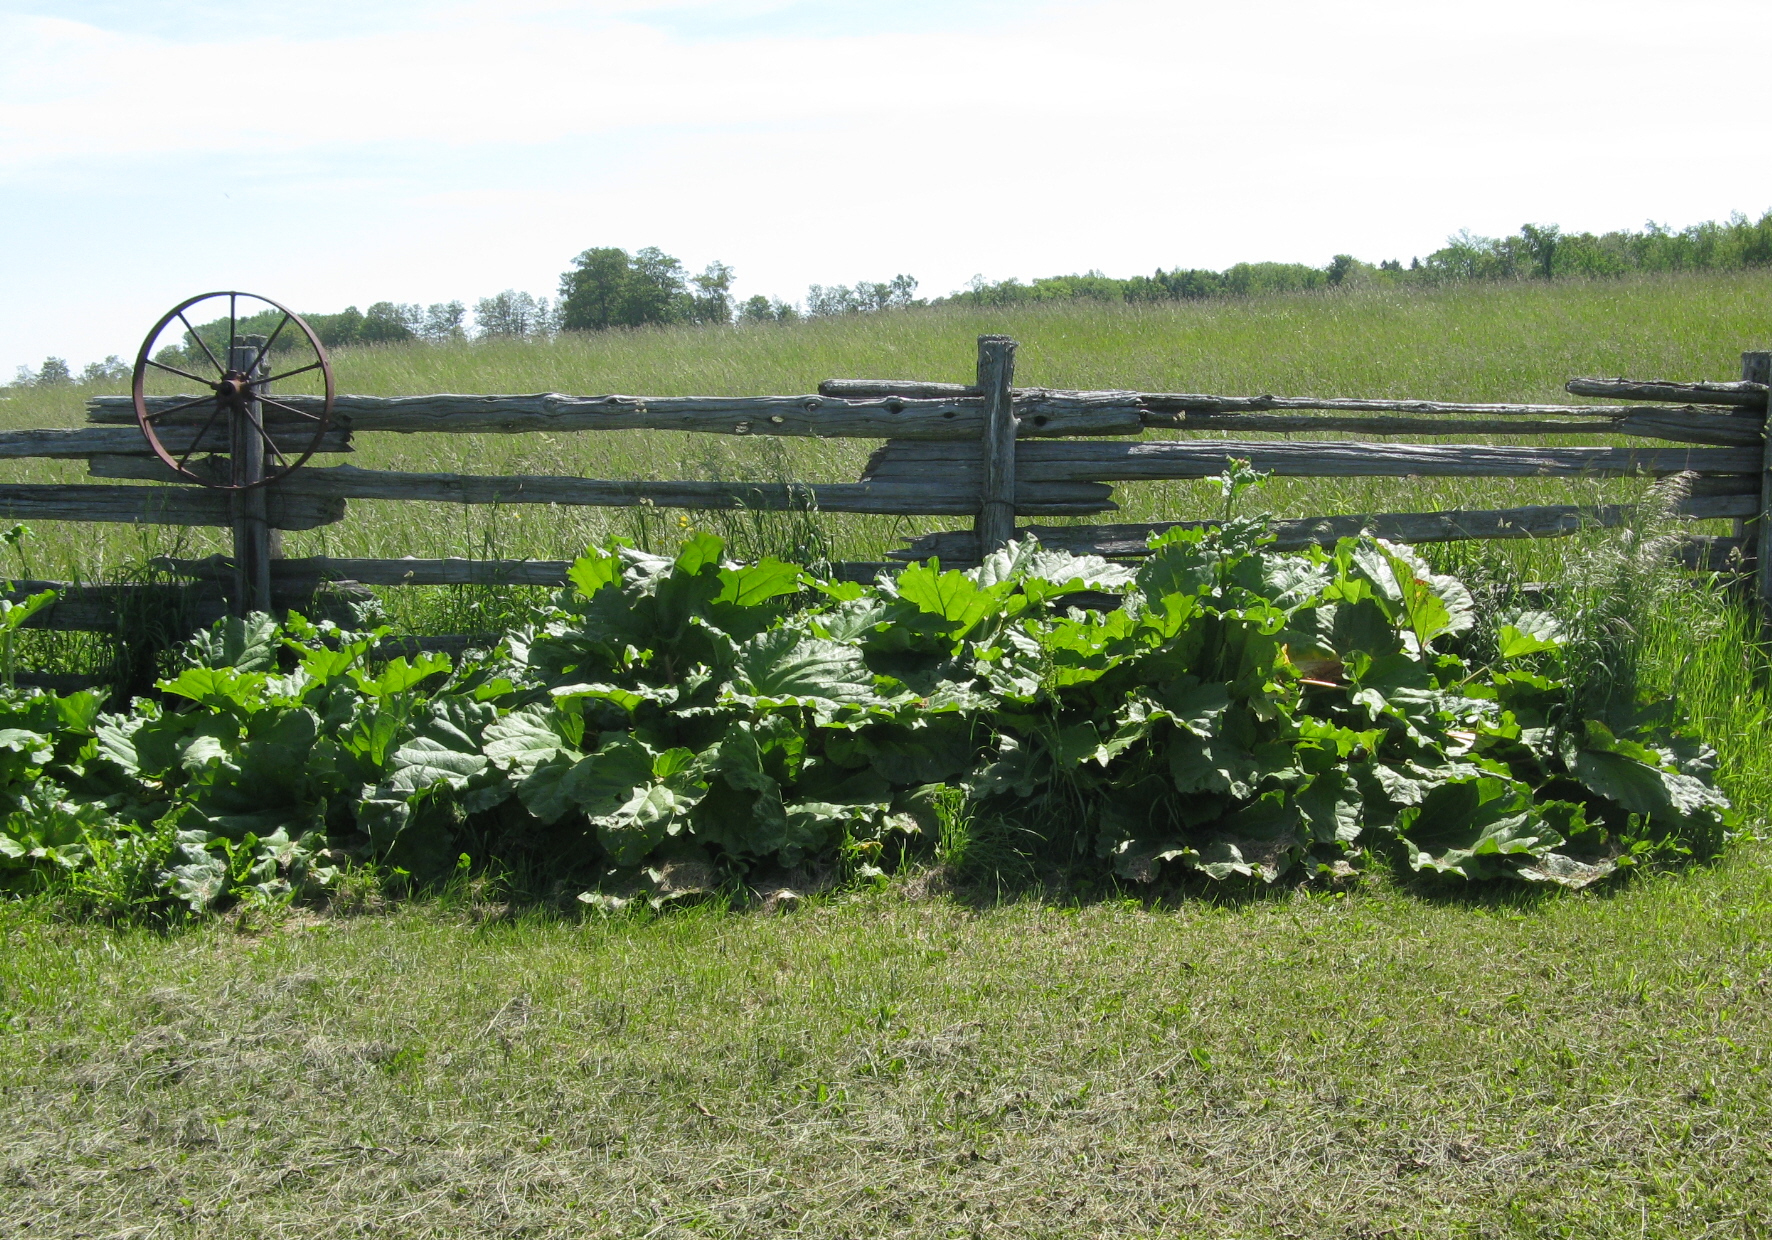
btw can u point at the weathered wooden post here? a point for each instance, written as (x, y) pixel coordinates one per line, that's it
(252, 531)
(996, 376)
(1756, 367)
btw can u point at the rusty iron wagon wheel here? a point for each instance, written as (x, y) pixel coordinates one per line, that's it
(263, 437)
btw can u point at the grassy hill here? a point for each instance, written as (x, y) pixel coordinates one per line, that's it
(930, 1061)
(1470, 342)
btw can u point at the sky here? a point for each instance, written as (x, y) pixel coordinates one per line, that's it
(335, 152)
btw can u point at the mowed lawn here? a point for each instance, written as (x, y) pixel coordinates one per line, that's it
(1384, 1061)
(1375, 1063)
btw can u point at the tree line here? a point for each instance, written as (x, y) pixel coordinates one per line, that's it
(608, 288)
(1536, 252)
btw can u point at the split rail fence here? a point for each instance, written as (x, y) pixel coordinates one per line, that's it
(987, 450)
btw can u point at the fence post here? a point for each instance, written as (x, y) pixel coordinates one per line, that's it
(996, 375)
(1756, 367)
(252, 531)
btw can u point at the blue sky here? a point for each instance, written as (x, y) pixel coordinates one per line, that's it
(328, 153)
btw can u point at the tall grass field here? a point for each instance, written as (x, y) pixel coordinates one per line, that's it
(1468, 342)
(954, 1052)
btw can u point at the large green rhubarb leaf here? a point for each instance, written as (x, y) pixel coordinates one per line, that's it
(952, 596)
(247, 644)
(1638, 778)
(1468, 828)
(787, 668)
(424, 763)
(653, 810)
(526, 738)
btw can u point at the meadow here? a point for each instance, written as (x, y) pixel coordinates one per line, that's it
(958, 1052)
(1466, 342)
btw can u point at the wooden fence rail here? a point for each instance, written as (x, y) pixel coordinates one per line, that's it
(158, 506)
(1130, 541)
(1152, 461)
(907, 497)
(91, 441)
(1038, 413)
(987, 450)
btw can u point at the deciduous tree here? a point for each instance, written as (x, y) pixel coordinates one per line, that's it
(513, 315)
(444, 320)
(608, 287)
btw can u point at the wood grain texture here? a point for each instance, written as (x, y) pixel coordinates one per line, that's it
(942, 497)
(1717, 553)
(293, 576)
(128, 441)
(252, 531)
(1717, 485)
(997, 492)
(1199, 402)
(958, 416)
(1710, 508)
(1042, 414)
(1745, 394)
(95, 608)
(1126, 541)
(158, 505)
(181, 607)
(311, 571)
(1650, 422)
(1108, 461)
(1159, 403)
(911, 389)
(1756, 369)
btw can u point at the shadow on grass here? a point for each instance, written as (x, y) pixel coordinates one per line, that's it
(528, 889)
(556, 876)
(503, 893)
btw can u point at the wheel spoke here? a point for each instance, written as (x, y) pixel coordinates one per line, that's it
(266, 346)
(199, 439)
(201, 344)
(277, 404)
(272, 445)
(189, 404)
(183, 374)
(232, 330)
(290, 373)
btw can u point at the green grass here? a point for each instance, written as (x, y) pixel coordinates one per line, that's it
(1476, 342)
(1368, 1064)
(918, 1062)
(1471, 342)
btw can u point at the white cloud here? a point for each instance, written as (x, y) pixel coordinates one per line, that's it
(425, 152)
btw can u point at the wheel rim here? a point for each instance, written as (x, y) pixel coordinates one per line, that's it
(287, 435)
